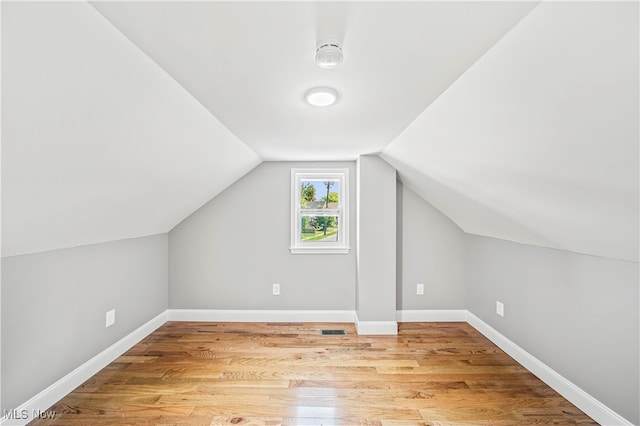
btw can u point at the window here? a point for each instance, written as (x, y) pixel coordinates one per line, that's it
(319, 211)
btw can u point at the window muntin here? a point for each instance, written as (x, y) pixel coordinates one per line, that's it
(319, 211)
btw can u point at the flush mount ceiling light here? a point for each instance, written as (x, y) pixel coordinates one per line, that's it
(321, 96)
(328, 54)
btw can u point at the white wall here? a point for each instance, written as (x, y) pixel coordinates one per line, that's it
(576, 313)
(228, 254)
(432, 250)
(54, 305)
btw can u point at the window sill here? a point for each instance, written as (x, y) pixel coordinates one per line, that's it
(320, 250)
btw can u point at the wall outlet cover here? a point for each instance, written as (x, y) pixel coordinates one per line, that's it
(499, 308)
(110, 318)
(276, 289)
(420, 289)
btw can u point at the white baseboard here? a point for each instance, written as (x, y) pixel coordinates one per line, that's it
(581, 399)
(49, 396)
(222, 315)
(432, 315)
(366, 328)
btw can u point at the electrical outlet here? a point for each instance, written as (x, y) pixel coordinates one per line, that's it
(110, 318)
(276, 289)
(499, 308)
(420, 289)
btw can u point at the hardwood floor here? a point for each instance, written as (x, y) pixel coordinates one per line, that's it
(192, 373)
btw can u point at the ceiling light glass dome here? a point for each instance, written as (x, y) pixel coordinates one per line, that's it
(321, 96)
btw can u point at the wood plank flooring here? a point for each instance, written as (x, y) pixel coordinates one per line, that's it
(193, 373)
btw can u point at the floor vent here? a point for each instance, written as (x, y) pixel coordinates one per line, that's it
(333, 333)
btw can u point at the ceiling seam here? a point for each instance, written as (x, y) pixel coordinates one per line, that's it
(453, 83)
(142, 52)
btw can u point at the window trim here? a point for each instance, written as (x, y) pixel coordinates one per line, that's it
(309, 247)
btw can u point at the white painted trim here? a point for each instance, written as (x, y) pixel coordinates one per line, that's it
(222, 315)
(366, 328)
(317, 250)
(581, 399)
(432, 315)
(52, 394)
(342, 212)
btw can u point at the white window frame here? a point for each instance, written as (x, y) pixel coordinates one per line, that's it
(341, 246)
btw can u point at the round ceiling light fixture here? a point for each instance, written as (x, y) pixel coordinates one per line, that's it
(328, 54)
(321, 96)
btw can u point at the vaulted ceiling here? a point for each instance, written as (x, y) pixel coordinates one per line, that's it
(538, 141)
(518, 120)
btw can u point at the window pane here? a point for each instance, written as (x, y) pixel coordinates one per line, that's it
(319, 194)
(319, 228)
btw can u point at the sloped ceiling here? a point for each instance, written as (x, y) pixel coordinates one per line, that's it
(538, 141)
(250, 64)
(114, 133)
(98, 142)
(518, 120)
